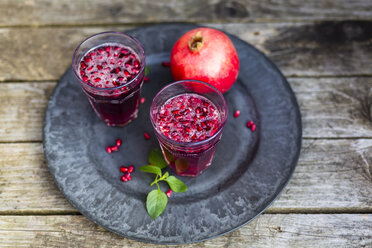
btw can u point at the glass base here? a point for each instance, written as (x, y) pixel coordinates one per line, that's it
(133, 117)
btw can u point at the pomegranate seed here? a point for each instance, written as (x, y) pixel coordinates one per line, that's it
(108, 149)
(126, 73)
(165, 64)
(169, 193)
(130, 169)
(123, 169)
(145, 79)
(129, 177)
(250, 123)
(197, 110)
(125, 51)
(83, 65)
(85, 78)
(118, 142)
(114, 148)
(142, 101)
(124, 178)
(99, 67)
(253, 127)
(97, 80)
(237, 113)
(146, 135)
(136, 64)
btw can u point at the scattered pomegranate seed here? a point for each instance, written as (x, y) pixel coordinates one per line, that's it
(124, 178)
(145, 79)
(253, 127)
(108, 149)
(118, 142)
(123, 169)
(169, 193)
(129, 177)
(250, 123)
(142, 101)
(114, 148)
(130, 169)
(165, 64)
(146, 135)
(237, 114)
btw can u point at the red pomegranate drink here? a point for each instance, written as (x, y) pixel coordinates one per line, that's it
(188, 117)
(110, 69)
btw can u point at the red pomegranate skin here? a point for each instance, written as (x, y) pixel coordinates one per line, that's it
(215, 61)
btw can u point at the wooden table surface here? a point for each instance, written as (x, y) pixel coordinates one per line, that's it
(324, 48)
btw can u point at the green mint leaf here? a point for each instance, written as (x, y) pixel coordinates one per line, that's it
(151, 169)
(156, 202)
(156, 158)
(147, 70)
(176, 185)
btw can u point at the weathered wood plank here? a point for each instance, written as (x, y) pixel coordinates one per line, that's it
(22, 110)
(44, 12)
(25, 181)
(305, 49)
(292, 230)
(330, 107)
(332, 175)
(335, 107)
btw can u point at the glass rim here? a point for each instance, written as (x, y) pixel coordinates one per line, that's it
(202, 142)
(143, 64)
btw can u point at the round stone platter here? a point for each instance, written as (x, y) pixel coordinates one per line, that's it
(248, 172)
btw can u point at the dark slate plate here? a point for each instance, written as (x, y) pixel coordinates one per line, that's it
(248, 172)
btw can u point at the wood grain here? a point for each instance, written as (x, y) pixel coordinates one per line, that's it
(292, 230)
(26, 184)
(22, 110)
(334, 107)
(299, 49)
(330, 108)
(44, 12)
(332, 175)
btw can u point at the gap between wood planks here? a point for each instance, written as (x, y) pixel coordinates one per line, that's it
(304, 138)
(268, 211)
(215, 21)
(53, 80)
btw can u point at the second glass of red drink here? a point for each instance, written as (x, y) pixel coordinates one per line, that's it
(110, 68)
(188, 117)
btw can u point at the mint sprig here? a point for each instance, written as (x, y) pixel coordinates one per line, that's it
(176, 184)
(157, 200)
(156, 158)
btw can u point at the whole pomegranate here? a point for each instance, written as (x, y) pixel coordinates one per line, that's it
(205, 54)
